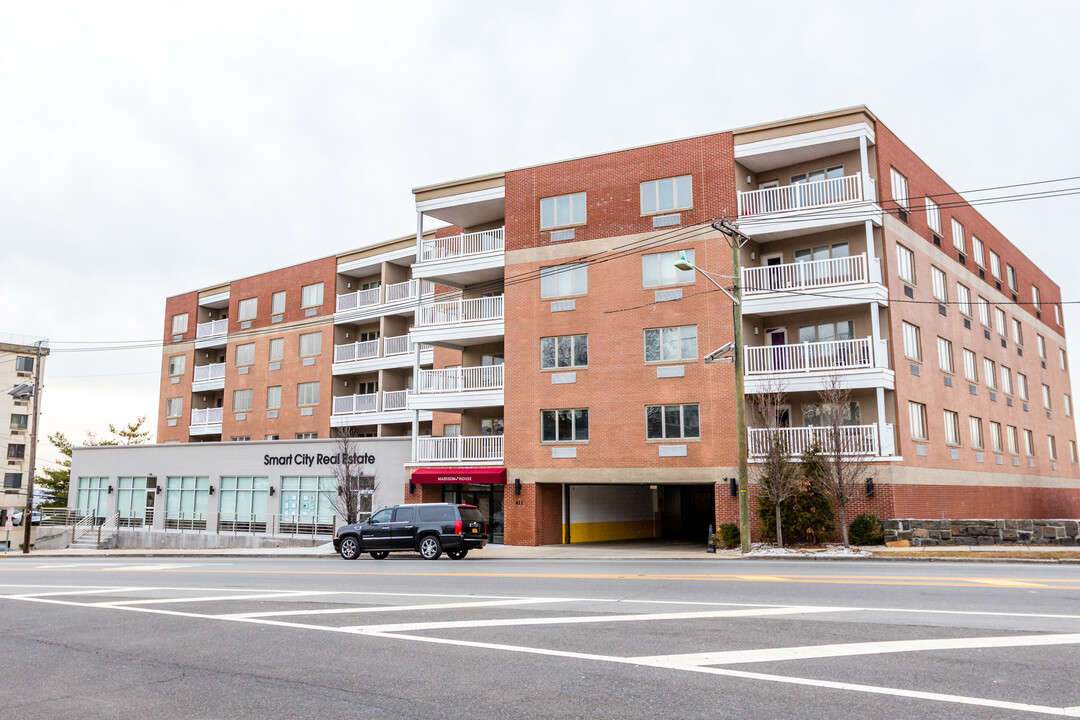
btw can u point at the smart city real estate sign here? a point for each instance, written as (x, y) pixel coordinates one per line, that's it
(312, 459)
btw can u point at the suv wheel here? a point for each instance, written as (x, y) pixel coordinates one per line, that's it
(350, 547)
(457, 554)
(430, 547)
(380, 554)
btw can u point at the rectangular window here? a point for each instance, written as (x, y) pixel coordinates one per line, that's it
(277, 303)
(564, 280)
(1018, 332)
(174, 407)
(995, 265)
(24, 364)
(1057, 314)
(671, 344)
(952, 428)
(1014, 439)
(1000, 322)
(1013, 284)
(944, 351)
(958, 235)
(669, 422)
(176, 365)
(971, 370)
(989, 373)
(452, 430)
(963, 299)
(1068, 407)
(311, 295)
(1040, 341)
(1022, 386)
(1046, 396)
(1035, 298)
(307, 436)
(566, 351)
(564, 425)
(917, 418)
(277, 349)
(912, 342)
(976, 429)
(273, 397)
(1052, 446)
(668, 194)
(245, 354)
(899, 188)
(995, 437)
(977, 251)
(659, 269)
(179, 324)
(905, 264)
(13, 480)
(248, 309)
(562, 210)
(307, 394)
(1029, 443)
(310, 344)
(1061, 359)
(933, 216)
(18, 422)
(1006, 380)
(937, 278)
(984, 311)
(1072, 451)
(241, 400)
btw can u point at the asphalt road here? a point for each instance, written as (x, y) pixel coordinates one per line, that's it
(480, 638)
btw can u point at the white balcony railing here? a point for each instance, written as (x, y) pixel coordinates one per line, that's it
(463, 245)
(398, 345)
(395, 400)
(352, 404)
(359, 299)
(854, 440)
(206, 416)
(805, 275)
(408, 290)
(809, 357)
(212, 328)
(356, 351)
(209, 372)
(486, 448)
(453, 312)
(801, 196)
(460, 379)
(397, 292)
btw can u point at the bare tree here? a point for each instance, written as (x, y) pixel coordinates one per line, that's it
(355, 489)
(845, 451)
(777, 477)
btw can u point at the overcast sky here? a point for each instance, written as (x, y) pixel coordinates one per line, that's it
(151, 148)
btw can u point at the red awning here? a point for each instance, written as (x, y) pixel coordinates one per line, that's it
(463, 476)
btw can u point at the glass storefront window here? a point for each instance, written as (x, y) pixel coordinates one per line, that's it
(93, 496)
(243, 503)
(186, 500)
(307, 504)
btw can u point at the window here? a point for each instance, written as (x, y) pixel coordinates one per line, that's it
(24, 364)
(1052, 443)
(1000, 321)
(1006, 380)
(1035, 298)
(917, 418)
(827, 332)
(1068, 406)
(958, 235)
(240, 438)
(12, 480)
(247, 309)
(912, 343)
(1057, 314)
(905, 264)
(671, 343)
(1021, 383)
(310, 500)
(1011, 272)
(174, 407)
(18, 422)
(92, 496)
(1018, 332)
(311, 295)
(176, 365)
(1041, 342)
(899, 188)
(564, 425)
(995, 265)
(241, 400)
(1061, 359)
(989, 373)
(944, 352)
(668, 422)
(667, 194)
(563, 280)
(273, 397)
(452, 430)
(937, 278)
(491, 426)
(277, 349)
(1014, 439)
(307, 436)
(277, 303)
(1029, 443)
(977, 251)
(963, 299)
(562, 210)
(984, 312)
(971, 371)
(307, 394)
(933, 216)
(816, 416)
(1072, 451)
(179, 324)
(952, 428)
(995, 436)
(16, 451)
(1046, 396)
(565, 351)
(310, 344)
(245, 354)
(659, 269)
(976, 430)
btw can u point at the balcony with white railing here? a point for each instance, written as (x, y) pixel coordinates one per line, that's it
(467, 258)
(459, 387)
(809, 366)
(356, 351)
(854, 440)
(211, 334)
(463, 322)
(378, 354)
(388, 406)
(208, 377)
(482, 449)
(206, 421)
(778, 212)
(833, 282)
(385, 299)
(464, 245)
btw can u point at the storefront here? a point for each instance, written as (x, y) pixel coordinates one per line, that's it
(482, 487)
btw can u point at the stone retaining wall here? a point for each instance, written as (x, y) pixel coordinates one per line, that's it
(984, 532)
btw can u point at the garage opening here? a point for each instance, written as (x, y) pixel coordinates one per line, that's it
(603, 513)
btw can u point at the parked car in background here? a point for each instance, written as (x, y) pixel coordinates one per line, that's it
(428, 529)
(17, 516)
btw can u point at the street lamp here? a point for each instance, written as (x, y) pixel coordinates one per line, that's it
(684, 263)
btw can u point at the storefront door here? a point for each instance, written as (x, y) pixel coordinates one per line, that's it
(487, 498)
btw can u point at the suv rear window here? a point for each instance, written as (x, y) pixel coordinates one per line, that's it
(470, 514)
(437, 514)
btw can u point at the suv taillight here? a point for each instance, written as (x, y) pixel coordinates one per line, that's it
(457, 527)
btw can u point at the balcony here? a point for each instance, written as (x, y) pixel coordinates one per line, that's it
(780, 212)
(463, 259)
(399, 298)
(456, 323)
(791, 287)
(807, 366)
(855, 440)
(459, 388)
(378, 354)
(389, 406)
(208, 377)
(485, 449)
(212, 334)
(206, 421)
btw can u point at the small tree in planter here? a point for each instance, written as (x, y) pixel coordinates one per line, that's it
(777, 477)
(846, 462)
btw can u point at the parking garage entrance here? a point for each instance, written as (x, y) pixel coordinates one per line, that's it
(596, 513)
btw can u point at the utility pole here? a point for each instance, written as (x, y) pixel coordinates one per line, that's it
(29, 510)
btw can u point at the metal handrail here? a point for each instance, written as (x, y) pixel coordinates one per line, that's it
(108, 529)
(83, 526)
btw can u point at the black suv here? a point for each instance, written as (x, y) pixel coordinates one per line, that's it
(428, 529)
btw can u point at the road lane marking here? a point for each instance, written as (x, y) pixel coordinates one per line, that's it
(213, 598)
(1002, 582)
(403, 608)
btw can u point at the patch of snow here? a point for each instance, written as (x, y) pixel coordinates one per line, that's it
(832, 550)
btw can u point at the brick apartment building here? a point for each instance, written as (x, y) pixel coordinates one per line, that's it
(546, 356)
(18, 356)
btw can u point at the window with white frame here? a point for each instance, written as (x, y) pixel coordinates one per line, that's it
(675, 193)
(1052, 446)
(669, 422)
(937, 278)
(1002, 322)
(1006, 380)
(1018, 332)
(176, 365)
(241, 400)
(174, 407)
(564, 351)
(24, 364)
(1029, 443)
(1022, 386)
(995, 437)
(1072, 451)
(977, 251)
(277, 349)
(564, 280)
(562, 210)
(899, 188)
(310, 344)
(307, 436)
(273, 397)
(659, 269)
(1014, 285)
(1035, 298)
(451, 430)
(564, 425)
(944, 352)
(1068, 405)
(277, 303)
(247, 309)
(307, 394)
(1061, 359)
(1040, 341)
(671, 344)
(905, 264)
(245, 354)
(958, 235)
(933, 216)
(984, 311)
(971, 370)
(1057, 313)
(1046, 396)
(912, 342)
(975, 427)
(963, 299)
(995, 265)
(989, 373)
(179, 324)
(917, 419)
(311, 295)
(1013, 437)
